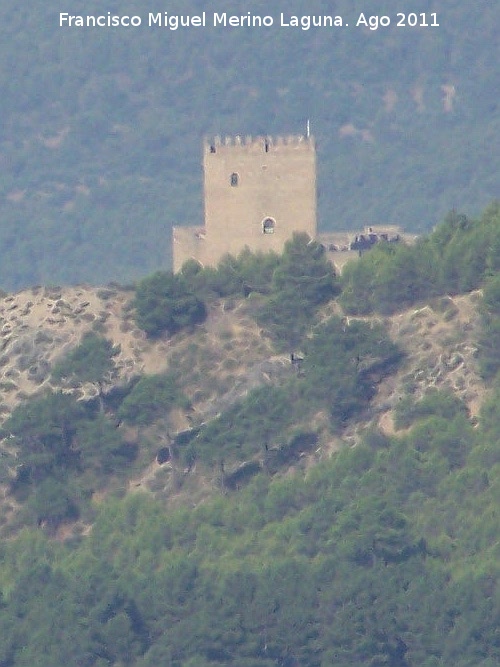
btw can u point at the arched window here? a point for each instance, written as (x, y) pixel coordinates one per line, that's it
(268, 225)
(234, 179)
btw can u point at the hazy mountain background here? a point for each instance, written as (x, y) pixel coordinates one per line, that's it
(100, 139)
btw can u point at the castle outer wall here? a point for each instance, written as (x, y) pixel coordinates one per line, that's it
(257, 193)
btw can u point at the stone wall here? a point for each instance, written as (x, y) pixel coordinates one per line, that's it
(257, 193)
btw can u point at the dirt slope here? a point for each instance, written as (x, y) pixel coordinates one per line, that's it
(226, 357)
(440, 344)
(227, 354)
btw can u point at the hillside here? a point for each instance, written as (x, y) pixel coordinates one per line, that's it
(223, 360)
(333, 556)
(102, 128)
(42, 325)
(257, 465)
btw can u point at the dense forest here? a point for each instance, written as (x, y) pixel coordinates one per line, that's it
(101, 133)
(382, 553)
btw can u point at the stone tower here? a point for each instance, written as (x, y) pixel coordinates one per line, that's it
(257, 192)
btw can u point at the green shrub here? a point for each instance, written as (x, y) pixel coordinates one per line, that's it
(91, 361)
(436, 402)
(164, 302)
(151, 399)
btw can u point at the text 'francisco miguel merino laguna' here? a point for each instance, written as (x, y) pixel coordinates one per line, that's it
(223, 19)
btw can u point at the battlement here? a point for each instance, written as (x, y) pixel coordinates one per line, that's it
(258, 191)
(259, 144)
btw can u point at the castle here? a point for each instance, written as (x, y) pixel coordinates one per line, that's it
(257, 193)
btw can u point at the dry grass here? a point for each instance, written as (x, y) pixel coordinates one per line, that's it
(440, 344)
(220, 361)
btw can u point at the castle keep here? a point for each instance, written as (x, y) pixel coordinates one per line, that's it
(257, 193)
